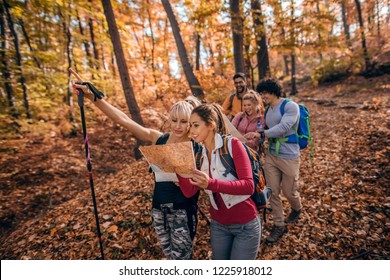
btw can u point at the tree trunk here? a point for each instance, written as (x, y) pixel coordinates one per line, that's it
(123, 70)
(165, 57)
(153, 43)
(285, 57)
(196, 89)
(286, 68)
(261, 41)
(345, 24)
(113, 65)
(4, 61)
(370, 19)
(378, 19)
(86, 44)
(93, 41)
(197, 56)
(21, 23)
(248, 63)
(105, 61)
(252, 73)
(68, 35)
(365, 52)
(18, 58)
(142, 47)
(292, 45)
(293, 78)
(121, 61)
(237, 34)
(319, 33)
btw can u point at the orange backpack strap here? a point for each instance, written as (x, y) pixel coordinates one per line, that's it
(224, 149)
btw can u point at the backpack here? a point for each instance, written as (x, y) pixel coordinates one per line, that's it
(262, 194)
(302, 135)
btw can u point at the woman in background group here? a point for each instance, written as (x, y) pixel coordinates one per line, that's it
(247, 122)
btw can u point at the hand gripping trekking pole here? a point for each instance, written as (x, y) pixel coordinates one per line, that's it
(89, 166)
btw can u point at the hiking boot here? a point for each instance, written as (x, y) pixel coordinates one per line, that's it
(276, 233)
(293, 217)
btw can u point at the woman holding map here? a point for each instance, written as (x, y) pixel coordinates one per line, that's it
(235, 226)
(174, 215)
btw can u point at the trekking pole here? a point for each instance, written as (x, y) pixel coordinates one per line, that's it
(89, 165)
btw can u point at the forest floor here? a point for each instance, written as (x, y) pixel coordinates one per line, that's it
(46, 209)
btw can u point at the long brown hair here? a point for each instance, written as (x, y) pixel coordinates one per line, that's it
(212, 114)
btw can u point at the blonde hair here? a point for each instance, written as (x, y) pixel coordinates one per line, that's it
(193, 101)
(181, 109)
(251, 96)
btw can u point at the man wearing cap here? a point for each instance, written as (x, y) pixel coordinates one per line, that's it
(233, 103)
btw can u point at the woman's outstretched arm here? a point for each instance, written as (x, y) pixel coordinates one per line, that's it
(141, 133)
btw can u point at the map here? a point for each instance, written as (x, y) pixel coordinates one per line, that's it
(233, 131)
(169, 159)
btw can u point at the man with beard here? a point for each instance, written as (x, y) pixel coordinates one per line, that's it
(233, 103)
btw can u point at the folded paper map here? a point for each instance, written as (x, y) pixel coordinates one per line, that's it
(169, 159)
(233, 131)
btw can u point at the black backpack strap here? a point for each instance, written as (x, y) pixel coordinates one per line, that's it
(162, 139)
(199, 158)
(265, 114)
(231, 101)
(226, 158)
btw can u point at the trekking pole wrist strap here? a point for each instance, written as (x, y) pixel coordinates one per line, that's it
(96, 93)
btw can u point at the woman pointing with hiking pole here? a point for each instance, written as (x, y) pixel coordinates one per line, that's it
(174, 215)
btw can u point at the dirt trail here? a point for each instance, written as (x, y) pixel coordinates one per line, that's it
(46, 209)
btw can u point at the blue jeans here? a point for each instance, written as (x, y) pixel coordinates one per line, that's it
(235, 242)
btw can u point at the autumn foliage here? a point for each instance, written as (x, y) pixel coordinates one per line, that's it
(333, 55)
(47, 213)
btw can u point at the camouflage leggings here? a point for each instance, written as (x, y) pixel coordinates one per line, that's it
(175, 230)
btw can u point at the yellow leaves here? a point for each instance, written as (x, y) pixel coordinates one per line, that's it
(380, 154)
(53, 231)
(113, 228)
(338, 88)
(374, 104)
(347, 182)
(343, 192)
